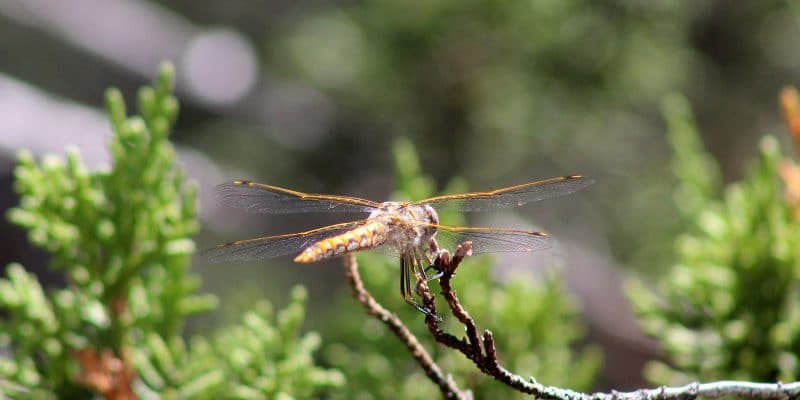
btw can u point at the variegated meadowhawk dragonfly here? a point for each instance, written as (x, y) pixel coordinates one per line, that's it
(408, 229)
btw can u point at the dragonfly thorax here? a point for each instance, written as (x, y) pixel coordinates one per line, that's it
(409, 225)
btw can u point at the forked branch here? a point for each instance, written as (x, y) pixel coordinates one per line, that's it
(445, 383)
(481, 349)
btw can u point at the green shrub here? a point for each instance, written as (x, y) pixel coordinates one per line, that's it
(728, 308)
(123, 239)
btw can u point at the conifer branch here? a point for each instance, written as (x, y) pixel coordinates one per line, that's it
(481, 349)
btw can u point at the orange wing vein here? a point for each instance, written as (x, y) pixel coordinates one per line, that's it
(513, 196)
(274, 246)
(258, 197)
(492, 240)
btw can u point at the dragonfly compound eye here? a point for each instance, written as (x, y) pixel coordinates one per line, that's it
(431, 214)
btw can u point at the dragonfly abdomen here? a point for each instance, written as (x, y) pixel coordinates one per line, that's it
(370, 235)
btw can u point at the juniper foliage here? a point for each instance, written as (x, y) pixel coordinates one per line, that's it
(123, 239)
(728, 308)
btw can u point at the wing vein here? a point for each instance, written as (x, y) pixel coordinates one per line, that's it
(513, 196)
(257, 197)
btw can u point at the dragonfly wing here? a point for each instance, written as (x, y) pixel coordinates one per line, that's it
(274, 246)
(513, 196)
(258, 197)
(491, 240)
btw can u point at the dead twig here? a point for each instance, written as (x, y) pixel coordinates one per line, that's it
(445, 383)
(481, 350)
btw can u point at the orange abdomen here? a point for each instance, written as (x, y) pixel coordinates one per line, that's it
(371, 235)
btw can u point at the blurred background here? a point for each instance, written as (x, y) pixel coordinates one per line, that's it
(313, 95)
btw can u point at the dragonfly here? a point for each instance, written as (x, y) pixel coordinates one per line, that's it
(409, 230)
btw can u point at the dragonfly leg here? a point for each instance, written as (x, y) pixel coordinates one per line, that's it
(435, 276)
(429, 263)
(424, 265)
(438, 274)
(422, 309)
(408, 267)
(423, 271)
(405, 281)
(403, 273)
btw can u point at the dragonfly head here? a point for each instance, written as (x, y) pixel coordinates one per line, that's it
(430, 214)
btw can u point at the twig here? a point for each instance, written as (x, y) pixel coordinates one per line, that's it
(481, 350)
(446, 384)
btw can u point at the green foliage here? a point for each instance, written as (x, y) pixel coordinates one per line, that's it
(535, 323)
(728, 309)
(697, 172)
(492, 72)
(487, 89)
(264, 357)
(123, 239)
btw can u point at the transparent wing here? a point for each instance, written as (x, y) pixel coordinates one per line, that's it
(258, 197)
(274, 246)
(511, 196)
(492, 240)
